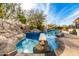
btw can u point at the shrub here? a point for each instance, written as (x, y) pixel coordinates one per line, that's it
(74, 32)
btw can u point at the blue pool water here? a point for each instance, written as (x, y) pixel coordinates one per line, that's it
(32, 38)
(52, 39)
(33, 35)
(28, 42)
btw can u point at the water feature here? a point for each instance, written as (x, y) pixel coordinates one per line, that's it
(32, 38)
(52, 39)
(28, 42)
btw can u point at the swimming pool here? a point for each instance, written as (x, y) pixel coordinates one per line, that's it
(32, 38)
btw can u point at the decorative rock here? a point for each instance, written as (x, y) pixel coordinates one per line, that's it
(39, 48)
(60, 35)
(6, 25)
(43, 48)
(13, 53)
(35, 30)
(3, 38)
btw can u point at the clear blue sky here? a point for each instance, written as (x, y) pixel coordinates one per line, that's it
(60, 13)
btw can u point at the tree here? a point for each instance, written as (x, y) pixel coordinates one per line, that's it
(22, 19)
(12, 11)
(7, 10)
(37, 18)
(1, 10)
(21, 15)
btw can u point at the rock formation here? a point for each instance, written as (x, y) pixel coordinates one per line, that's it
(10, 33)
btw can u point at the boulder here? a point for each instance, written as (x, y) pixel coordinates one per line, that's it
(41, 48)
(6, 25)
(60, 35)
(44, 49)
(35, 30)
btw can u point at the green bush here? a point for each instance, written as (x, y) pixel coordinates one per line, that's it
(40, 27)
(22, 19)
(74, 32)
(32, 26)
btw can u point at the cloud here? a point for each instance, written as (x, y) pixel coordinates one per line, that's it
(66, 11)
(51, 19)
(69, 20)
(47, 8)
(65, 15)
(75, 14)
(62, 10)
(28, 6)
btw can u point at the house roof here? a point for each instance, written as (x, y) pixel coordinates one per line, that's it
(76, 20)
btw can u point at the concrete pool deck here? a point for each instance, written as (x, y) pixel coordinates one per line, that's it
(71, 45)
